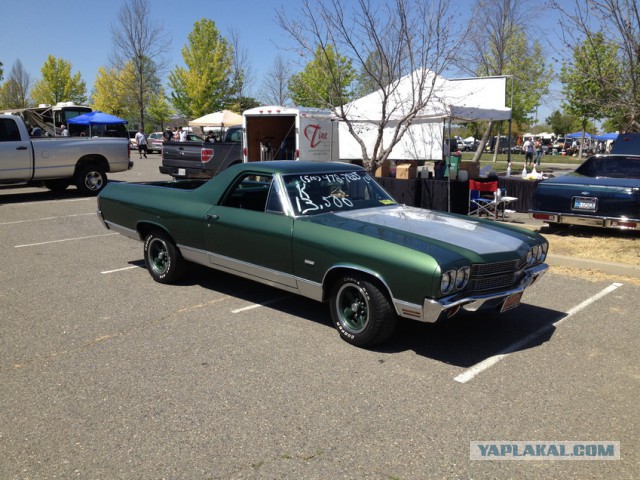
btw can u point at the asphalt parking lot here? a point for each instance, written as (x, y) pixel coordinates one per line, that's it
(107, 374)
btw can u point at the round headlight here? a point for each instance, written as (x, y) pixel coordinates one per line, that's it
(462, 277)
(544, 248)
(535, 252)
(446, 284)
(530, 257)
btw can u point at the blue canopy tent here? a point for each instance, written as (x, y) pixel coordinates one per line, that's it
(606, 136)
(96, 118)
(579, 135)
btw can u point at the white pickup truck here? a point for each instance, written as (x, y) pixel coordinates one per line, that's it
(58, 162)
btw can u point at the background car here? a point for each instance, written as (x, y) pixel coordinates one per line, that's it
(154, 142)
(602, 192)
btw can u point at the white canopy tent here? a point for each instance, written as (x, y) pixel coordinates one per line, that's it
(223, 118)
(467, 99)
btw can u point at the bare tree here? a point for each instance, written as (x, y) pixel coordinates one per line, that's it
(498, 38)
(15, 92)
(139, 43)
(619, 22)
(242, 71)
(385, 42)
(275, 90)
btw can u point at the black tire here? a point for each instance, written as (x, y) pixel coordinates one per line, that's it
(162, 258)
(58, 185)
(90, 180)
(361, 312)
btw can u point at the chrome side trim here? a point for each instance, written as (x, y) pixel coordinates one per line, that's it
(309, 289)
(127, 232)
(194, 255)
(264, 275)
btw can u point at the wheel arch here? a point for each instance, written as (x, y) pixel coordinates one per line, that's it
(144, 228)
(98, 161)
(338, 271)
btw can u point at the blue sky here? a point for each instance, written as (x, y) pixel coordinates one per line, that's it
(79, 31)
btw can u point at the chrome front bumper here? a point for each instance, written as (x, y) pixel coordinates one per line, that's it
(434, 310)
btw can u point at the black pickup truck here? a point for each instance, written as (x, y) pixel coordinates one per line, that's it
(198, 158)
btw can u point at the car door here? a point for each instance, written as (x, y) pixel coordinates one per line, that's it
(247, 233)
(15, 154)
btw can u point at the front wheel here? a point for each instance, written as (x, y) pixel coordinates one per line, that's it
(162, 258)
(90, 180)
(361, 311)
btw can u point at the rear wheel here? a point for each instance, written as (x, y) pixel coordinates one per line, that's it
(90, 180)
(361, 311)
(162, 258)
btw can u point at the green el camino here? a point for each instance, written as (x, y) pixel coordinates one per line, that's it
(329, 232)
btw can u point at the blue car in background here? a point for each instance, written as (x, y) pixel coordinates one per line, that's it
(603, 192)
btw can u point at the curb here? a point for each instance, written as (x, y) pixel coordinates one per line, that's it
(611, 268)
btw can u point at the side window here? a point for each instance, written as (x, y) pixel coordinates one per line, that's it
(250, 192)
(9, 130)
(274, 204)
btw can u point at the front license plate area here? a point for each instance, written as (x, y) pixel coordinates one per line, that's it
(587, 204)
(512, 301)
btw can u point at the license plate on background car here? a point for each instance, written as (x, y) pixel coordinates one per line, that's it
(512, 301)
(585, 203)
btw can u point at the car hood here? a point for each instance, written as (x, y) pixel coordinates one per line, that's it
(415, 228)
(578, 179)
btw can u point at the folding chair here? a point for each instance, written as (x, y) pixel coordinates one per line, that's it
(483, 198)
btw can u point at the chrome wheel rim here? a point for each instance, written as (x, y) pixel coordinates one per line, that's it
(353, 307)
(158, 256)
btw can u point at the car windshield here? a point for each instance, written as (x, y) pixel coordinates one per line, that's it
(611, 167)
(331, 192)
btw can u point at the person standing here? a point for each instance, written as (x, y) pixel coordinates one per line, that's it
(538, 152)
(183, 135)
(167, 135)
(65, 132)
(528, 152)
(141, 141)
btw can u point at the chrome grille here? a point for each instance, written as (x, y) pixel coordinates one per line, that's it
(493, 276)
(485, 269)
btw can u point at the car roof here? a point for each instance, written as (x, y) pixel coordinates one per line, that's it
(299, 167)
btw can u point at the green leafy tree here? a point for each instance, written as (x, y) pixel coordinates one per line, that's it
(203, 86)
(563, 123)
(160, 110)
(107, 95)
(590, 79)
(58, 84)
(325, 80)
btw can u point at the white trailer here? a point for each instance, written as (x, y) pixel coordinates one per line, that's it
(282, 133)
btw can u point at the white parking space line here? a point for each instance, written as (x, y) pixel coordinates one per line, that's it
(42, 202)
(46, 218)
(121, 269)
(64, 240)
(469, 374)
(258, 305)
